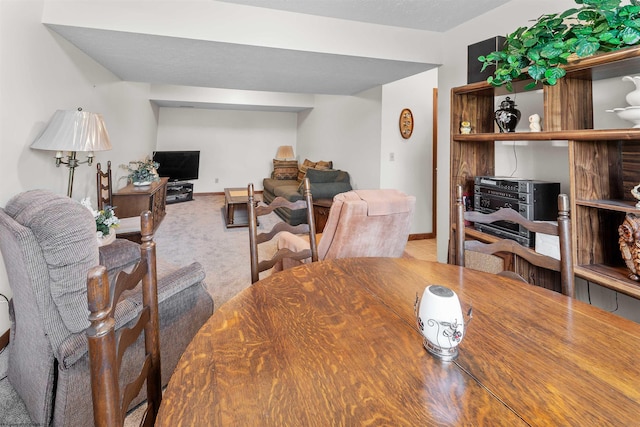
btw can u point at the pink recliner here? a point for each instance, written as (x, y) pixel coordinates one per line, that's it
(361, 223)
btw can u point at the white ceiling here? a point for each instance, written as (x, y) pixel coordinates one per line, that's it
(166, 60)
(430, 15)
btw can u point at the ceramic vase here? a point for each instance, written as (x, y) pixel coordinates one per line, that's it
(440, 321)
(106, 240)
(507, 116)
(633, 97)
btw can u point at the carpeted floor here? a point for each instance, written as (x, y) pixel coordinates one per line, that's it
(191, 231)
(196, 231)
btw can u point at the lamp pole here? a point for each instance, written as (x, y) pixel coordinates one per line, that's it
(72, 162)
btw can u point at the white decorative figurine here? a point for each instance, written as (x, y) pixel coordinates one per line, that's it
(534, 123)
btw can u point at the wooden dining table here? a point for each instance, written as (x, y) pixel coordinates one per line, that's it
(336, 343)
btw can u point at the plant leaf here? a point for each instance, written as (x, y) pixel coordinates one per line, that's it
(550, 51)
(568, 12)
(512, 59)
(534, 55)
(630, 36)
(586, 48)
(633, 23)
(608, 35)
(587, 15)
(537, 72)
(605, 4)
(555, 73)
(603, 26)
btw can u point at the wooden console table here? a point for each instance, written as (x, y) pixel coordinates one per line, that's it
(234, 198)
(321, 208)
(131, 201)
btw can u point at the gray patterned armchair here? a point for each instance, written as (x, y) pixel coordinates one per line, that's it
(48, 243)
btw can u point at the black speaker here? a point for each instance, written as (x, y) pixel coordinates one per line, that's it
(478, 49)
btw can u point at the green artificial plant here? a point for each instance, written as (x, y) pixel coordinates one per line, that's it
(540, 50)
(142, 171)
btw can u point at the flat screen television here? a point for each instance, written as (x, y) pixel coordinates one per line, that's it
(178, 165)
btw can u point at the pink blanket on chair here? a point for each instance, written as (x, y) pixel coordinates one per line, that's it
(391, 202)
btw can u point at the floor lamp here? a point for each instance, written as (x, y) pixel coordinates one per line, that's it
(72, 131)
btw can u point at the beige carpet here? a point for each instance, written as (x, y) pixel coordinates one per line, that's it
(196, 231)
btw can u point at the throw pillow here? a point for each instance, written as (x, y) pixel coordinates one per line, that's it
(324, 165)
(319, 175)
(285, 169)
(327, 191)
(302, 170)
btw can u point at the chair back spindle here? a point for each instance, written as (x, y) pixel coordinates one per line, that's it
(103, 185)
(459, 232)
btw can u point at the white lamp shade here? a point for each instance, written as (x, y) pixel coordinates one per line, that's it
(285, 152)
(70, 130)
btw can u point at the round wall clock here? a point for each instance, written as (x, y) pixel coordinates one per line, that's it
(406, 123)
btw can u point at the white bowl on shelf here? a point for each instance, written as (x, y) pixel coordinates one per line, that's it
(631, 114)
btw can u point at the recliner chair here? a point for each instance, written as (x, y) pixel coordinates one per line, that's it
(361, 223)
(48, 243)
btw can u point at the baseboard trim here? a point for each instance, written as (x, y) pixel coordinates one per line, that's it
(4, 340)
(219, 193)
(422, 236)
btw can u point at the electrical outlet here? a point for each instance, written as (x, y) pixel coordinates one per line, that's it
(392, 157)
(216, 180)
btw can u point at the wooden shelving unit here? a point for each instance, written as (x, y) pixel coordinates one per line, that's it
(604, 164)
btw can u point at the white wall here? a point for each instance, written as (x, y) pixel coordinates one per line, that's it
(236, 147)
(346, 130)
(41, 73)
(412, 168)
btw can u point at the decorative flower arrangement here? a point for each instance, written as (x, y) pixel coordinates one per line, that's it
(106, 218)
(142, 171)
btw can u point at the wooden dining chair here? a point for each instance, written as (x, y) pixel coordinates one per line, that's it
(256, 238)
(564, 265)
(103, 185)
(129, 227)
(111, 398)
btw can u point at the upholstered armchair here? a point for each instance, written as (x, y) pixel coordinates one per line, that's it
(48, 244)
(361, 223)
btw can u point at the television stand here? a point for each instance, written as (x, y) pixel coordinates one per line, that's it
(179, 192)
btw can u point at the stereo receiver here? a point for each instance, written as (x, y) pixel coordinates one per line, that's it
(534, 200)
